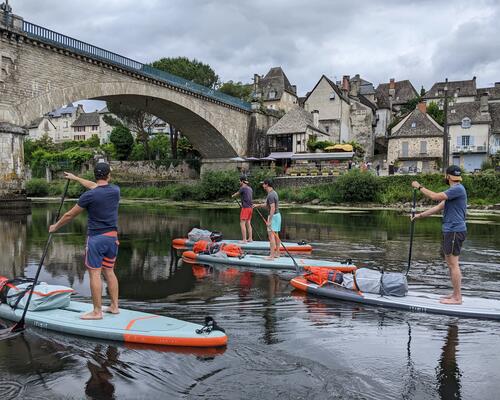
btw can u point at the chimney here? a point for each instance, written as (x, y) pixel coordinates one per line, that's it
(294, 87)
(315, 114)
(484, 103)
(345, 83)
(256, 80)
(422, 107)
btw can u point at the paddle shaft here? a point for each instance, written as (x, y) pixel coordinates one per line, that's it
(297, 268)
(20, 324)
(412, 229)
(253, 228)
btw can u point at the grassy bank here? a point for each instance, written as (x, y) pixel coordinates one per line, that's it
(354, 187)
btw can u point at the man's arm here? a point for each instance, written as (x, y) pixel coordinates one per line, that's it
(67, 217)
(430, 211)
(429, 193)
(272, 210)
(235, 194)
(83, 182)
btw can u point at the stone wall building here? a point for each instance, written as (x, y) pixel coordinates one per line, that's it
(90, 124)
(275, 91)
(458, 92)
(292, 132)
(56, 124)
(416, 141)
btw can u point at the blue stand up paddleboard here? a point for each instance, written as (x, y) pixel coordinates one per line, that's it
(252, 260)
(127, 326)
(474, 307)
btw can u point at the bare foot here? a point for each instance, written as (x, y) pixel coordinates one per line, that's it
(91, 315)
(250, 240)
(451, 300)
(269, 258)
(242, 241)
(448, 296)
(111, 310)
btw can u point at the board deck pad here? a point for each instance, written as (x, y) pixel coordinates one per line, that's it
(252, 260)
(475, 307)
(256, 245)
(128, 326)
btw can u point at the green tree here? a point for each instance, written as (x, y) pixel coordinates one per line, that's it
(137, 120)
(192, 70)
(123, 141)
(237, 89)
(434, 111)
(410, 105)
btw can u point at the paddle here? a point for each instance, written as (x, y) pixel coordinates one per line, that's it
(297, 268)
(253, 228)
(20, 325)
(412, 228)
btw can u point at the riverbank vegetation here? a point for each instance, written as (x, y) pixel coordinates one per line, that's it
(353, 187)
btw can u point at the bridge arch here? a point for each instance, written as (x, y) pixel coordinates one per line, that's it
(206, 127)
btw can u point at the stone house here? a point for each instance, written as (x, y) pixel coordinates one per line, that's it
(494, 142)
(275, 91)
(469, 127)
(458, 92)
(345, 114)
(390, 98)
(292, 132)
(90, 124)
(492, 92)
(416, 141)
(56, 124)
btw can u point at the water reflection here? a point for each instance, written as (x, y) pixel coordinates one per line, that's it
(448, 372)
(99, 385)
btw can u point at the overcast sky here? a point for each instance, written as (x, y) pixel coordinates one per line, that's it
(420, 40)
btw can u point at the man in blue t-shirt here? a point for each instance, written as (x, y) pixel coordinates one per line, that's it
(453, 202)
(101, 202)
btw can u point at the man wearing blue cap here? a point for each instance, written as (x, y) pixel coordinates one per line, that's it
(101, 202)
(453, 203)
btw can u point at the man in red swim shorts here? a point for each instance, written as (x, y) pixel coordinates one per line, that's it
(246, 212)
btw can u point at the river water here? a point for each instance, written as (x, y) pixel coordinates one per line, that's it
(282, 344)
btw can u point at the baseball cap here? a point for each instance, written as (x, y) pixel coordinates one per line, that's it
(268, 182)
(454, 172)
(101, 170)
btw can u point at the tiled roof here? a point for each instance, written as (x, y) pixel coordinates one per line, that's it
(462, 88)
(495, 117)
(34, 124)
(87, 119)
(69, 109)
(472, 110)
(417, 124)
(365, 87)
(404, 92)
(493, 92)
(275, 80)
(294, 121)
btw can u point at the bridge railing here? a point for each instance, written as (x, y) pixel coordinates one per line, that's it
(79, 47)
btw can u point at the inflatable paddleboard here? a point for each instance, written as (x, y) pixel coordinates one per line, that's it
(128, 326)
(474, 307)
(301, 247)
(252, 260)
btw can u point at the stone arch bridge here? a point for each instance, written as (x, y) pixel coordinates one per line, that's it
(41, 70)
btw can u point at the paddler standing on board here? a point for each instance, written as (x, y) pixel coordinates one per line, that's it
(273, 221)
(453, 202)
(246, 194)
(101, 202)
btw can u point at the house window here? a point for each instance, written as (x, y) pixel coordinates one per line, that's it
(272, 94)
(466, 122)
(95, 127)
(466, 140)
(65, 124)
(79, 129)
(327, 129)
(79, 137)
(423, 147)
(413, 124)
(404, 149)
(332, 96)
(497, 141)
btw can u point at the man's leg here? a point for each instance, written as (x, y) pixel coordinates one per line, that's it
(112, 282)
(249, 230)
(243, 231)
(278, 244)
(272, 244)
(456, 281)
(96, 291)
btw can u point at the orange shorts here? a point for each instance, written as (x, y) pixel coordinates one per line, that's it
(246, 214)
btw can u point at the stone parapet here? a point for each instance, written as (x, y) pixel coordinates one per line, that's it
(300, 181)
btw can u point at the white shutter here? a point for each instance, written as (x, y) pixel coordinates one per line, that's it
(471, 141)
(459, 140)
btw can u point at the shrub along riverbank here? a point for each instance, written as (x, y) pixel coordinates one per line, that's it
(354, 187)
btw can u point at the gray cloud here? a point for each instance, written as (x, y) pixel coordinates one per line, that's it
(423, 41)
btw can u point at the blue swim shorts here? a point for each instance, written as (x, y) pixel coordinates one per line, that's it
(101, 250)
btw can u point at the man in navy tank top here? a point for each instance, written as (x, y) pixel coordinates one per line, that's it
(453, 203)
(101, 202)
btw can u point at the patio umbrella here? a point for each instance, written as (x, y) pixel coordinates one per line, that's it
(238, 159)
(252, 159)
(268, 159)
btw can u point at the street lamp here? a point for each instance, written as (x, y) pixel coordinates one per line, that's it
(446, 146)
